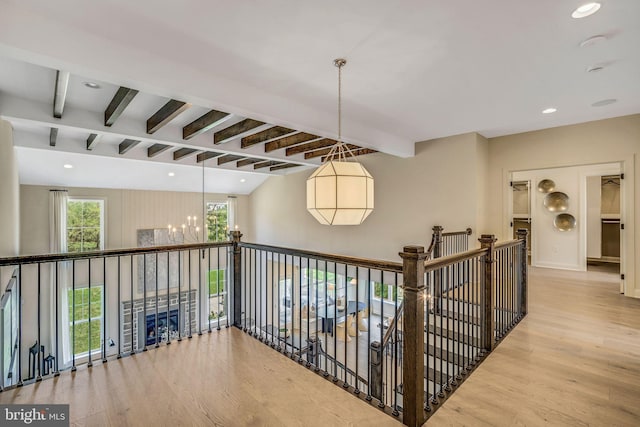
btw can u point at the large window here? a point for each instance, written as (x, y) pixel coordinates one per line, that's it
(217, 296)
(388, 293)
(85, 225)
(85, 307)
(217, 222)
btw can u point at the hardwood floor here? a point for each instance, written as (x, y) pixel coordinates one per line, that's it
(225, 378)
(573, 361)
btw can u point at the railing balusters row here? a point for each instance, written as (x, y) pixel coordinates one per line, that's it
(78, 308)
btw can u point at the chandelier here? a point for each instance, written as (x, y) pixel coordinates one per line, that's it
(340, 191)
(189, 232)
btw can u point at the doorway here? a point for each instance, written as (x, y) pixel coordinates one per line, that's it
(603, 222)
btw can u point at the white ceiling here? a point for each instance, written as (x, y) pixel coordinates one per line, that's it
(416, 70)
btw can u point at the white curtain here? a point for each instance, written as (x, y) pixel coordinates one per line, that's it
(58, 244)
(232, 212)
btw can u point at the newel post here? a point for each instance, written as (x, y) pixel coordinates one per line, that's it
(235, 236)
(488, 241)
(413, 345)
(522, 234)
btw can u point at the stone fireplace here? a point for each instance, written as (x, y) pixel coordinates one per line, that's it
(175, 314)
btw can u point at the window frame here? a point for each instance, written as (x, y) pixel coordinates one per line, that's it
(206, 224)
(72, 320)
(102, 202)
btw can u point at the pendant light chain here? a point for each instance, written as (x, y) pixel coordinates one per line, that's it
(339, 65)
(340, 149)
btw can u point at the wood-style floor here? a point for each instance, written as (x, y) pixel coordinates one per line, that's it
(573, 361)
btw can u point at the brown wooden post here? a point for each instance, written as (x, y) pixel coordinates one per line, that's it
(437, 275)
(522, 234)
(235, 236)
(437, 241)
(413, 345)
(488, 241)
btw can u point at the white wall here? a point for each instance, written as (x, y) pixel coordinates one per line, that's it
(9, 193)
(603, 141)
(125, 212)
(551, 247)
(442, 185)
(9, 202)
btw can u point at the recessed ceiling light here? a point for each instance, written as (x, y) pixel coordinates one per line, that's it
(592, 40)
(549, 110)
(586, 10)
(68, 166)
(91, 85)
(171, 174)
(243, 180)
(604, 102)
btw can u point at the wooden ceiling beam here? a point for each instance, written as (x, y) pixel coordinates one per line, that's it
(229, 158)
(53, 137)
(359, 152)
(127, 145)
(234, 131)
(60, 93)
(204, 123)
(310, 146)
(283, 166)
(265, 135)
(325, 151)
(164, 115)
(288, 141)
(266, 164)
(247, 162)
(120, 101)
(92, 141)
(156, 149)
(181, 153)
(207, 155)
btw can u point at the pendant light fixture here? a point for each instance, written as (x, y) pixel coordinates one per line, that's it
(340, 191)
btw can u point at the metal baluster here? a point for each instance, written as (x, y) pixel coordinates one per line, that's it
(271, 305)
(245, 286)
(199, 298)
(381, 353)
(104, 309)
(260, 291)
(357, 388)
(208, 287)
(131, 297)
(278, 346)
(394, 384)
(299, 300)
(155, 325)
(218, 286)
(20, 383)
(119, 313)
(180, 321)
(286, 288)
(39, 356)
(189, 294)
(169, 299)
(144, 304)
(57, 303)
(90, 364)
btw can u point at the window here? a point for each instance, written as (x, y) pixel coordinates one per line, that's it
(386, 292)
(217, 296)
(85, 305)
(217, 222)
(85, 225)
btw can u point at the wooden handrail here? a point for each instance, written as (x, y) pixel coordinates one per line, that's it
(340, 259)
(466, 232)
(434, 264)
(67, 256)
